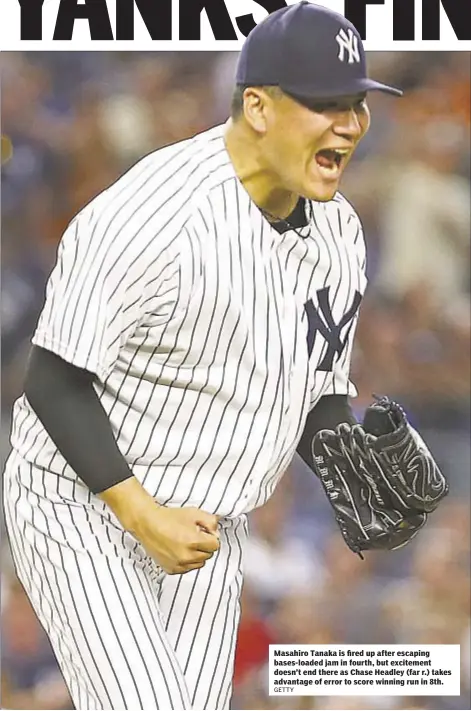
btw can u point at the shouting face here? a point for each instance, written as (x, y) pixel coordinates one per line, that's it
(306, 145)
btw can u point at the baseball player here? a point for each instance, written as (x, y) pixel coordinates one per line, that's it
(197, 331)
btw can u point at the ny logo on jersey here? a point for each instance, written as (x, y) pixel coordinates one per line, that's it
(348, 45)
(321, 321)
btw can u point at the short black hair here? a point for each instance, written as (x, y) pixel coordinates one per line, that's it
(237, 104)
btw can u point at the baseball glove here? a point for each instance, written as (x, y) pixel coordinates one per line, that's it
(379, 477)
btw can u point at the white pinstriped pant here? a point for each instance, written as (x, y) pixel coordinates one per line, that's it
(125, 635)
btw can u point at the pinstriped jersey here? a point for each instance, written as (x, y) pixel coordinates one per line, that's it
(211, 333)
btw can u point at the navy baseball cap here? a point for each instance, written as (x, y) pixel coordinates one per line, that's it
(309, 52)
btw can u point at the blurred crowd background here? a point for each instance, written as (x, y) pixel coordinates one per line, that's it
(71, 123)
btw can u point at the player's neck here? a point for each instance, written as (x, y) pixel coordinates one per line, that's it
(258, 180)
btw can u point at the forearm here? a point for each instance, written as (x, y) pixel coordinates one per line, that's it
(330, 411)
(129, 501)
(68, 407)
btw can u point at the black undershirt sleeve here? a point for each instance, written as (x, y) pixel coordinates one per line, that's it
(63, 398)
(330, 411)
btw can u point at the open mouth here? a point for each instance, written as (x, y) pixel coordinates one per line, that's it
(330, 160)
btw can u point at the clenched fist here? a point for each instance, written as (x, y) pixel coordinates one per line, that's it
(179, 540)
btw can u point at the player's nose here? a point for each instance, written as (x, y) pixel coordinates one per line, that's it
(348, 124)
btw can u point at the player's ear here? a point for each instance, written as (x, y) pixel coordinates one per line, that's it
(256, 102)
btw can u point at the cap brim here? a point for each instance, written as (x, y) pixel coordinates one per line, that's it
(372, 85)
(358, 86)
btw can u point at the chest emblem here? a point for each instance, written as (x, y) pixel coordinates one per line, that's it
(321, 320)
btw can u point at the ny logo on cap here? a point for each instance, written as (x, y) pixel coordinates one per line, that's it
(348, 45)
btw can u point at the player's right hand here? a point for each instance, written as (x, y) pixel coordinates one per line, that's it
(179, 540)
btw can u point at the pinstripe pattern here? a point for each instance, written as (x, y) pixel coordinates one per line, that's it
(173, 288)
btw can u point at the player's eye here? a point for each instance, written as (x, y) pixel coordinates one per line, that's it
(323, 107)
(357, 104)
(346, 103)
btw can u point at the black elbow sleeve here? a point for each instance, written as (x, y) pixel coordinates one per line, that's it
(65, 402)
(330, 411)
